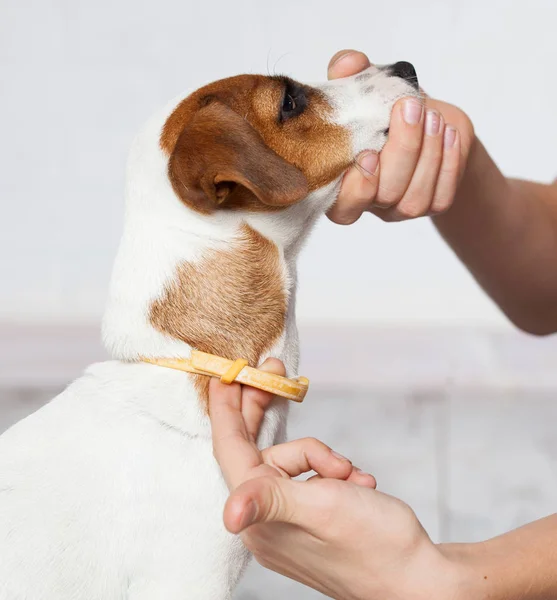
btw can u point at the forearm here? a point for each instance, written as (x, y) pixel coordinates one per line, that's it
(520, 565)
(505, 232)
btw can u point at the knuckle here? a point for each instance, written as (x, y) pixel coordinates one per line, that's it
(449, 168)
(388, 197)
(276, 506)
(432, 155)
(441, 204)
(347, 218)
(411, 210)
(312, 442)
(410, 145)
(456, 115)
(385, 215)
(466, 127)
(410, 141)
(274, 503)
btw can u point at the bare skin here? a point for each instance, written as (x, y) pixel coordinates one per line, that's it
(503, 230)
(336, 532)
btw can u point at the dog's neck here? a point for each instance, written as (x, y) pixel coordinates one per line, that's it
(221, 283)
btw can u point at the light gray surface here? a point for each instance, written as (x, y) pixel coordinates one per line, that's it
(472, 464)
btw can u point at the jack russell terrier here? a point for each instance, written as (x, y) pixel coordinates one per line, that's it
(111, 490)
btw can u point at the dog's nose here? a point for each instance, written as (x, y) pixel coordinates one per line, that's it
(406, 71)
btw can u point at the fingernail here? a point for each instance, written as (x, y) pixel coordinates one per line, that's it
(369, 163)
(249, 514)
(450, 136)
(339, 456)
(432, 122)
(368, 476)
(412, 111)
(340, 57)
(272, 365)
(360, 472)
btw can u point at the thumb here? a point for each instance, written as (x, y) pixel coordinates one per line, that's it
(264, 499)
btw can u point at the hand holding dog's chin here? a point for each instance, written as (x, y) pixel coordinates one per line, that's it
(419, 169)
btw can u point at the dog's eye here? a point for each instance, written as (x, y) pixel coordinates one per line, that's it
(289, 104)
(294, 101)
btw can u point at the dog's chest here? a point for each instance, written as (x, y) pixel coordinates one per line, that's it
(119, 486)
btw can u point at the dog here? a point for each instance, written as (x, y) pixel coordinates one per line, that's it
(111, 490)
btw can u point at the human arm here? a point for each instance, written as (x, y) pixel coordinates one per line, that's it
(503, 230)
(339, 535)
(518, 565)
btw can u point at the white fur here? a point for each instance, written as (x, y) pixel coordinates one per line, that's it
(111, 490)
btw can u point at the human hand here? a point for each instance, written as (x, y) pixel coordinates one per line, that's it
(333, 532)
(236, 416)
(418, 171)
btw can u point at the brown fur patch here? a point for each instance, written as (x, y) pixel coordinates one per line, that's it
(232, 303)
(321, 150)
(220, 158)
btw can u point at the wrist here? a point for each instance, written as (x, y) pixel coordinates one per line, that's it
(438, 574)
(453, 580)
(471, 571)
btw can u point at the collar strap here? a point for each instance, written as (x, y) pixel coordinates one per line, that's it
(229, 371)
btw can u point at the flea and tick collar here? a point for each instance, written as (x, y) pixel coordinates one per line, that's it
(238, 371)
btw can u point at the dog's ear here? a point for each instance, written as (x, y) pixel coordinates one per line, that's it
(220, 159)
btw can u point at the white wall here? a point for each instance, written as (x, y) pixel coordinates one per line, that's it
(78, 78)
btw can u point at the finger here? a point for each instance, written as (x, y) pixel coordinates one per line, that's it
(357, 477)
(255, 402)
(307, 454)
(358, 190)
(234, 452)
(274, 499)
(400, 155)
(419, 195)
(362, 478)
(265, 499)
(447, 181)
(346, 63)
(225, 406)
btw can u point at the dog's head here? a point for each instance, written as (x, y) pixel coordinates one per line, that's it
(222, 188)
(263, 143)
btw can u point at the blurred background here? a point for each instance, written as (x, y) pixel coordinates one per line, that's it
(415, 374)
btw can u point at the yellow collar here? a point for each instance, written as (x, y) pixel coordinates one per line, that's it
(202, 363)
